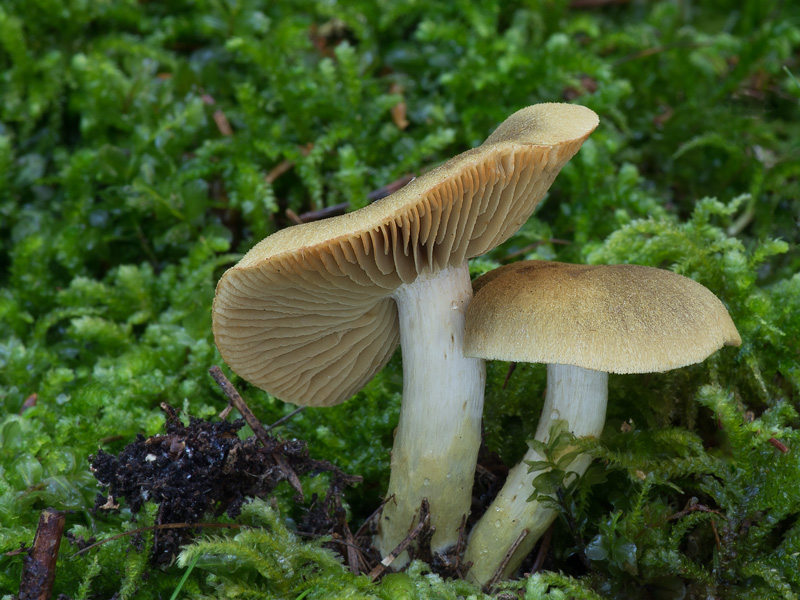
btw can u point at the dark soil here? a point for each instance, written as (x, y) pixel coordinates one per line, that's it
(204, 468)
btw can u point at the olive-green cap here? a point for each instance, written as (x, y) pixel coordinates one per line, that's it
(614, 318)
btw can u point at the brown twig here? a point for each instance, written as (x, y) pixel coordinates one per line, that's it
(292, 477)
(225, 412)
(278, 170)
(511, 368)
(779, 445)
(716, 535)
(690, 508)
(292, 216)
(543, 548)
(460, 569)
(462, 538)
(374, 515)
(223, 125)
(39, 567)
(323, 213)
(283, 420)
(399, 110)
(238, 402)
(389, 188)
(30, 402)
(336, 209)
(353, 551)
(425, 519)
(235, 398)
(507, 557)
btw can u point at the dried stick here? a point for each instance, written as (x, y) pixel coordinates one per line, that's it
(507, 557)
(511, 368)
(235, 398)
(779, 445)
(389, 188)
(424, 522)
(543, 548)
(361, 530)
(324, 213)
(39, 567)
(283, 420)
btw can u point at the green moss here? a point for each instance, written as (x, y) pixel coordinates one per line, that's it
(143, 148)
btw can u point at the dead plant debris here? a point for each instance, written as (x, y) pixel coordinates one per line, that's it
(200, 468)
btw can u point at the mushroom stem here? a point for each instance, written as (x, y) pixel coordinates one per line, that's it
(579, 397)
(438, 436)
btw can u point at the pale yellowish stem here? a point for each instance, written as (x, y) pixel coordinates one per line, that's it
(575, 395)
(438, 436)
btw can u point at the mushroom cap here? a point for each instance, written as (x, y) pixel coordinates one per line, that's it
(614, 318)
(307, 314)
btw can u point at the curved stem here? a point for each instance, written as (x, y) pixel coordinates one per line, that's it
(576, 395)
(437, 439)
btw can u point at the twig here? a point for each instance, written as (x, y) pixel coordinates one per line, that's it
(399, 110)
(323, 213)
(511, 368)
(239, 403)
(222, 122)
(278, 170)
(459, 568)
(716, 534)
(39, 568)
(292, 477)
(690, 508)
(225, 413)
(424, 522)
(462, 538)
(112, 438)
(353, 558)
(485, 473)
(507, 557)
(286, 164)
(389, 188)
(543, 548)
(30, 402)
(255, 425)
(283, 420)
(292, 216)
(375, 513)
(779, 445)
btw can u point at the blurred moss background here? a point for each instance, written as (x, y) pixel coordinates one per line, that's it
(145, 145)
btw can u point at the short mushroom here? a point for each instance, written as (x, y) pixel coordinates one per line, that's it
(584, 322)
(313, 311)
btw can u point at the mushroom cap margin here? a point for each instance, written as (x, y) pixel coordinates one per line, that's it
(614, 318)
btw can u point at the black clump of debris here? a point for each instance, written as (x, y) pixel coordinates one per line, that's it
(198, 469)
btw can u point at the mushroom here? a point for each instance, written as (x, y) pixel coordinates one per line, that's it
(313, 311)
(584, 322)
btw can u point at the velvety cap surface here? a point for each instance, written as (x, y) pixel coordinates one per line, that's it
(615, 318)
(307, 313)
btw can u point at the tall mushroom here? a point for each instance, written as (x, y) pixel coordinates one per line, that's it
(312, 312)
(583, 322)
